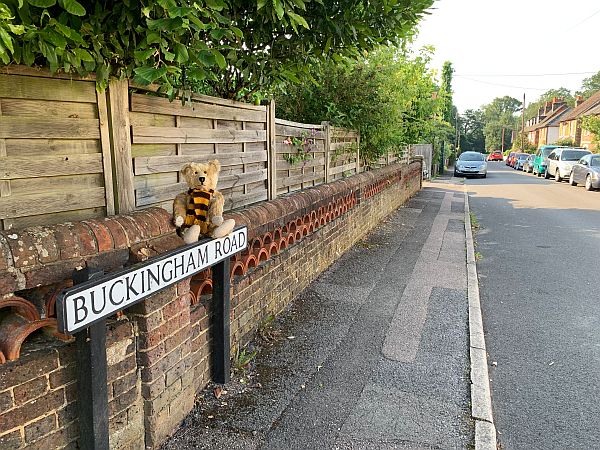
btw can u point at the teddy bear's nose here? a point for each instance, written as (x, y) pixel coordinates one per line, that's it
(201, 179)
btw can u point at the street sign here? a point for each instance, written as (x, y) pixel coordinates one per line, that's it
(86, 303)
(82, 310)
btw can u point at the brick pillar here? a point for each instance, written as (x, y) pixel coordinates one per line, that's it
(164, 359)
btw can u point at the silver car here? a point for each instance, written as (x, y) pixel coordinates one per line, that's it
(471, 163)
(561, 160)
(587, 172)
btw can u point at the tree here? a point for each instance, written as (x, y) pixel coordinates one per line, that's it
(232, 48)
(592, 124)
(387, 96)
(499, 114)
(471, 125)
(446, 92)
(590, 85)
(548, 96)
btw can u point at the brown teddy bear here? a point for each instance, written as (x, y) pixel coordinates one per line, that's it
(199, 211)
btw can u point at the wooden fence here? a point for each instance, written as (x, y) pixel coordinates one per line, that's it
(55, 160)
(68, 152)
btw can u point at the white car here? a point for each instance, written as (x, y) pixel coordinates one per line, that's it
(561, 160)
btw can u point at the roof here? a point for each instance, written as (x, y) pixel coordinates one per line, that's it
(552, 120)
(593, 111)
(584, 108)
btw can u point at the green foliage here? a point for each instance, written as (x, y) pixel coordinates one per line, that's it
(151, 41)
(471, 125)
(388, 97)
(234, 49)
(590, 85)
(302, 148)
(500, 113)
(566, 142)
(592, 124)
(242, 360)
(446, 92)
(532, 109)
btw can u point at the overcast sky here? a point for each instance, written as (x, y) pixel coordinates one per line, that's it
(492, 44)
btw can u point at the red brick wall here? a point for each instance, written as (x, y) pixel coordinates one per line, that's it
(158, 350)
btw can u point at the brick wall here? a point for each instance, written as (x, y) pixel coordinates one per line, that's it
(159, 350)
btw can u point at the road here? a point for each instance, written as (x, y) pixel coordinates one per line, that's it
(539, 281)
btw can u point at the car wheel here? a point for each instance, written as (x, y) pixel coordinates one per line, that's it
(557, 177)
(572, 180)
(484, 175)
(588, 183)
(546, 175)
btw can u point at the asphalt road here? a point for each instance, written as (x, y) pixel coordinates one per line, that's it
(540, 283)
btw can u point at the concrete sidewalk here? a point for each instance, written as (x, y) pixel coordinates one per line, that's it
(373, 355)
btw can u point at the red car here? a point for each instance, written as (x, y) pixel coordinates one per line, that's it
(495, 156)
(510, 158)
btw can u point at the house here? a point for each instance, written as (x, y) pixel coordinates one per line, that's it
(570, 125)
(544, 127)
(587, 137)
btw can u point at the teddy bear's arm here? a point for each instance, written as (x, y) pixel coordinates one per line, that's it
(179, 208)
(215, 210)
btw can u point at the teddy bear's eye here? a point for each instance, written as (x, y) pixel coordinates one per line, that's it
(195, 173)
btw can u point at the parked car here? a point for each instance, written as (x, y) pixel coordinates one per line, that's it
(519, 160)
(587, 172)
(471, 163)
(528, 164)
(541, 156)
(560, 162)
(509, 158)
(496, 155)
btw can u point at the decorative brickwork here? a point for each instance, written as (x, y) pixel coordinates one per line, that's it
(159, 350)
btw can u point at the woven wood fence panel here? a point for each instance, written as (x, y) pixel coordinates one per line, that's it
(54, 151)
(344, 159)
(166, 135)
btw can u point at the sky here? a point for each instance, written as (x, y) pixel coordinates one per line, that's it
(513, 47)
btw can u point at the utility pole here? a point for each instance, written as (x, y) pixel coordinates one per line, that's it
(502, 139)
(523, 124)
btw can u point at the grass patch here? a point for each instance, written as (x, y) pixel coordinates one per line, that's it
(474, 221)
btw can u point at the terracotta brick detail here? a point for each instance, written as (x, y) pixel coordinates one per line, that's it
(158, 351)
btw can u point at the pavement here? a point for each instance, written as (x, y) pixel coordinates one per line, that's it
(375, 354)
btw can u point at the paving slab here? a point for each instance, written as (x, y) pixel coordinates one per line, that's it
(373, 355)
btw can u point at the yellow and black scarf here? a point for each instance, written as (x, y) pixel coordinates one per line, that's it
(197, 208)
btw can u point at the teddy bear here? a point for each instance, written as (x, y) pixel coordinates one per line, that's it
(199, 211)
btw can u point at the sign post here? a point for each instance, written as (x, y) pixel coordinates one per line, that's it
(82, 310)
(91, 377)
(221, 323)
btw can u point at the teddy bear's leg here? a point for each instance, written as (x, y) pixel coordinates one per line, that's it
(191, 234)
(224, 229)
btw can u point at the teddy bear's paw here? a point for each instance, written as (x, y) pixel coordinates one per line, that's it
(178, 221)
(191, 234)
(224, 229)
(217, 220)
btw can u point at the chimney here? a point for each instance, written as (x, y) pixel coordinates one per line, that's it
(578, 100)
(557, 102)
(548, 106)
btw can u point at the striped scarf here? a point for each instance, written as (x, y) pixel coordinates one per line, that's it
(197, 208)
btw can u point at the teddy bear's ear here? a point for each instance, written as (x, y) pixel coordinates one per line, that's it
(215, 165)
(187, 170)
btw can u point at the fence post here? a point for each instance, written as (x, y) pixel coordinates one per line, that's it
(120, 133)
(272, 151)
(357, 152)
(327, 133)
